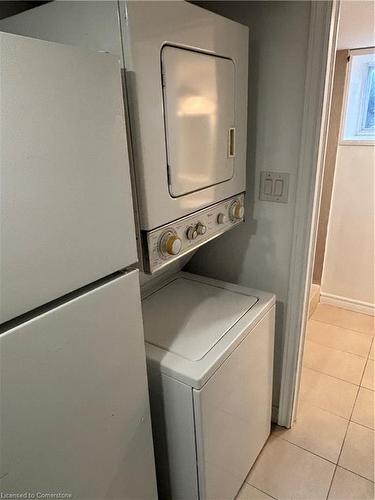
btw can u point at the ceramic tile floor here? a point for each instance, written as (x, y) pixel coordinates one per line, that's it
(329, 452)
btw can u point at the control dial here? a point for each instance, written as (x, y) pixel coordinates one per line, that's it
(236, 210)
(201, 228)
(222, 218)
(170, 244)
(191, 233)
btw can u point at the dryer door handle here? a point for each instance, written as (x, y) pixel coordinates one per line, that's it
(232, 142)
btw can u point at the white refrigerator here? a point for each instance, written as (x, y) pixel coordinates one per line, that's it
(74, 409)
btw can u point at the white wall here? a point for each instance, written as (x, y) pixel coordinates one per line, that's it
(348, 273)
(258, 252)
(357, 24)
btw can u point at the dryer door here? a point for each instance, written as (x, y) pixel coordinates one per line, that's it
(198, 92)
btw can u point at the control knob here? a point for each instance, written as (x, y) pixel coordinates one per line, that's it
(170, 244)
(236, 210)
(201, 228)
(222, 218)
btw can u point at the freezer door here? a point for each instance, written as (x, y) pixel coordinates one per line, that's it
(233, 414)
(199, 119)
(65, 196)
(74, 401)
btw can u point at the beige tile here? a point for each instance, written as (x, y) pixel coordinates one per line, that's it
(343, 365)
(346, 319)
(372, 350)
(248, 492)
(364, 408)
(358, 451)
(368, 380)
(286, 471)
(316, 430)
(338, 338)
(349, 486)
(328, 393)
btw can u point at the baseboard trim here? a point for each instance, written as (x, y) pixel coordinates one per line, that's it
(345, 303)
(314, 298)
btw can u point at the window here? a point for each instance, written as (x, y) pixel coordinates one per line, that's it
(368, 113)
(359, 113)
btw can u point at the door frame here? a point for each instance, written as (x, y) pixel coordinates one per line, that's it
(324, 17)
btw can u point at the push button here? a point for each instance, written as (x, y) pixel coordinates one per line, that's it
(268, 186)
(222, 218)
(201, 228)
(191, 233)
(279, 187)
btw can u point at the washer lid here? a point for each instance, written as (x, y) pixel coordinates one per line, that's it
(188, 317)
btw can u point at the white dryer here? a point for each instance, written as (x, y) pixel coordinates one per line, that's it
(209, 347)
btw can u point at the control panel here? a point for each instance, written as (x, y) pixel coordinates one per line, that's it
(167, 243)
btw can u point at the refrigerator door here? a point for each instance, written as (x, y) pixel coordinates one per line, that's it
(65, 197)
(74, 401)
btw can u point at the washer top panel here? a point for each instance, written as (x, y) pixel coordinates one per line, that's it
(196, 373)
(188, 317)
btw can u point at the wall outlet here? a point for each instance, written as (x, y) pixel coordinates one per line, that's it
(274, 186)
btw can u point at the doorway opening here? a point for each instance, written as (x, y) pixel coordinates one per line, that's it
(334, 402)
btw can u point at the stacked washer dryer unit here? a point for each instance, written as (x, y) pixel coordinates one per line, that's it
(187, 73)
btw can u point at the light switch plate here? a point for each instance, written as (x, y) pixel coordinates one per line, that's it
(274, 186)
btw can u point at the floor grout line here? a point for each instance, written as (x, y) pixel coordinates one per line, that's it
(308, 451)
(308, 403)
(372, 335)
(338, 350)
(362, 425)
(256, 487)
(356, 423)
(330, 484)
(356, 474)
(341, 448)
(346, 329)
(332, 376)
(346, 433)
(366, 358)
(348, 419)
(305, 449)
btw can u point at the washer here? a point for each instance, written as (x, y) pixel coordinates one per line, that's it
(209, 347)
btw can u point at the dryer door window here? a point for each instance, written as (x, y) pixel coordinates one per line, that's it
(199, 114)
